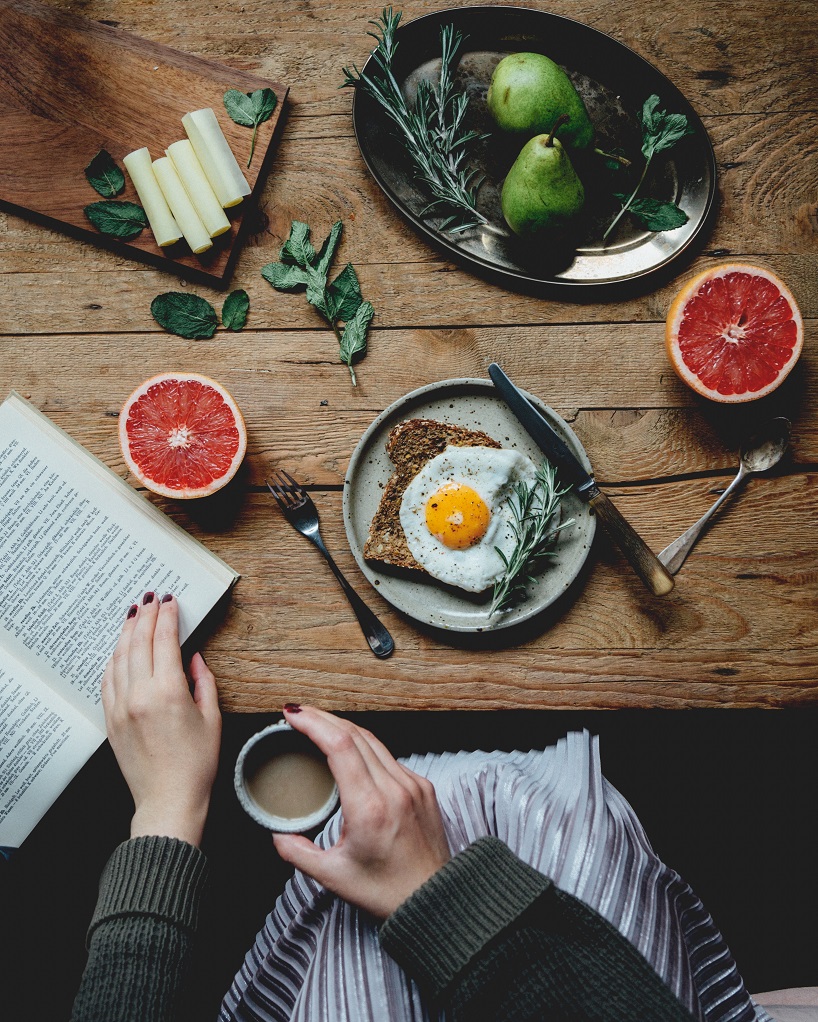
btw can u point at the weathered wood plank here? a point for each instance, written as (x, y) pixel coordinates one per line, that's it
(721, 63)
(418, 294)
(280, 380)
(619, 680)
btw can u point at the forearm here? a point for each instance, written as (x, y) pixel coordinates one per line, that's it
(489, 937)
(141, 934)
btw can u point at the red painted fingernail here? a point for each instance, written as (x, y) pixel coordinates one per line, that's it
(292, 708)
(148, 597)
(132, 612)
(167, 597)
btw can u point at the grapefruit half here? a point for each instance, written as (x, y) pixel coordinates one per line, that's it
(734, 332)
(182, 435)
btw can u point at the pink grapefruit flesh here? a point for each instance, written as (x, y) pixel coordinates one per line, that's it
(182, 435)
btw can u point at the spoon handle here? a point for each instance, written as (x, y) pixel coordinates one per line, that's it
(675, 554)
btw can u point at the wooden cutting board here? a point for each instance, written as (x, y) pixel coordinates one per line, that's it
(70, 87)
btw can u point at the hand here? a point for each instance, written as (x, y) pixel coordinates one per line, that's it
(392, 837)
(166, 740)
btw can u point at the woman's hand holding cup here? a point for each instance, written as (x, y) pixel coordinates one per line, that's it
(392, 838)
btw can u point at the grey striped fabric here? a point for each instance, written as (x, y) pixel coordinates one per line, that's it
(318, 959)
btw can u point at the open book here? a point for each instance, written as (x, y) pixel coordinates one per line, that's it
(77, 546)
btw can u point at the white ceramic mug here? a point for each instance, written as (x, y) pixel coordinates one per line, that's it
(261, 747)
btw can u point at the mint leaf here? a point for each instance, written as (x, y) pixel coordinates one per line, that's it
(658, 216)
(353, 341)
(298, 248)
(317, 294)
(344, 294)
(327, 250)
(240, 107)
(284, 277)
(235, 309)
(250, 109)
(123, 220)
(264, 102)
(660, 130)
(104, 176)
(185, 315)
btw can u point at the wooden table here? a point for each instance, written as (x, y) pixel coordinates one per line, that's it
(740, 628)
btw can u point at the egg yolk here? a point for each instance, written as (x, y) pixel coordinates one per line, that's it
(457, 516)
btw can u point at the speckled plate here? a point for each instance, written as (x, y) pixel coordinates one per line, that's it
(474, 404)
(614, 83)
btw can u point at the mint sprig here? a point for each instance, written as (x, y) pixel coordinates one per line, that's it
(660, 131)
(250, 109)
(340, 302)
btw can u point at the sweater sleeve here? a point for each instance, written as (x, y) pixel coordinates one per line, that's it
(488, 937)
(140, 937)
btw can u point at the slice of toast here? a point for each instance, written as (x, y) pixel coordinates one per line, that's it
(411, 445)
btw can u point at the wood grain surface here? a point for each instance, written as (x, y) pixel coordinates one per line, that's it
(70, 87)
(739, 629)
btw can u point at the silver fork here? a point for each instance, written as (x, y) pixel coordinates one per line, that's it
(302, 514)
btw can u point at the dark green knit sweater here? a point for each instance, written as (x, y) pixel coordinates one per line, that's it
(487, 936)
(491, 938)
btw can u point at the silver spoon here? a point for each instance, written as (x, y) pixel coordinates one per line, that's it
(760, 453)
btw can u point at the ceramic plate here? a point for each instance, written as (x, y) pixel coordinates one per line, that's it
(614, 82)
(474, 404)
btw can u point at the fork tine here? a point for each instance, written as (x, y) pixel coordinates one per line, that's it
(279, 495)
(285, 490)
(296, 486)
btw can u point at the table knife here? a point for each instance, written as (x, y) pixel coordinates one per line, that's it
(641, 558)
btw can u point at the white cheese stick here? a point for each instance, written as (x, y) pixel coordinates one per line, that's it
(216, 157)
(180, 205)
(198, 188)
(165, 229)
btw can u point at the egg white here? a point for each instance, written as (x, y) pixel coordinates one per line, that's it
(492, 474)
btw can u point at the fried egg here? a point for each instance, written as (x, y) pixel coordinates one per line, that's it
(456, 512)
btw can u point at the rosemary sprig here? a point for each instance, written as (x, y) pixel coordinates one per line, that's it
(533, 509)
(432, 132)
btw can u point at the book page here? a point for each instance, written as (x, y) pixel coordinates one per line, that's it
(77, 547)
(43, 744)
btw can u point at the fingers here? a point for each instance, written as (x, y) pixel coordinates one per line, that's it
(140, 651)
(379, 760)
(167, 656)
(303, 854)
(119, 660)
(205, 693)
(335, 738)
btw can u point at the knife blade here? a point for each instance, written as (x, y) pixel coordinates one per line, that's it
(641, 558)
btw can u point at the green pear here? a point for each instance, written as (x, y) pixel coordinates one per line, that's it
(528, 92)
(542, 189)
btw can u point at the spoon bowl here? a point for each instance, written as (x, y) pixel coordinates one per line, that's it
(759, 454)
(764, 450)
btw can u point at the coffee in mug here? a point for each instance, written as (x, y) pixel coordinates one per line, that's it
(283, 781)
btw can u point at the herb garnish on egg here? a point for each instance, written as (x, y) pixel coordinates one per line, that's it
(534, 509)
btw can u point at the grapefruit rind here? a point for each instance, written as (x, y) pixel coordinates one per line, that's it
(674, 322)
(154, 485)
